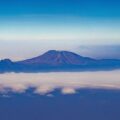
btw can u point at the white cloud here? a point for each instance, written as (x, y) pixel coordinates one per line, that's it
(50, 95)
(68, 83)
(43, 89)
(68, 91)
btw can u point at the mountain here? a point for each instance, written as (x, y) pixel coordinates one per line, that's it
(58, 61)
(58, 58)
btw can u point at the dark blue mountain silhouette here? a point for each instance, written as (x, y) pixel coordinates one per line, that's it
(58, 61)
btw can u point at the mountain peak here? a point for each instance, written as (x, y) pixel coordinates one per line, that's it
(51, 51)
(57, 58)
(59, 52)
(56, 51)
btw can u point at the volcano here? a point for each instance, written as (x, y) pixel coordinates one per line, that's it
(58, 58)
(54, 60)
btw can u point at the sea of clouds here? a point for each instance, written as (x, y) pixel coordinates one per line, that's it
(67, 82)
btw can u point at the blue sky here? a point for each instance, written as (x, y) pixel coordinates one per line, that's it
(57, 24)
(59, 19)
(83, 8)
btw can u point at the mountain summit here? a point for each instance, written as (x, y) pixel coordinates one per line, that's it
(54, 60)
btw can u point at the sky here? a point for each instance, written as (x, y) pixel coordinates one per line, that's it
(31, 27)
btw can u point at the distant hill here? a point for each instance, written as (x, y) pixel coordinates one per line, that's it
(58, 61)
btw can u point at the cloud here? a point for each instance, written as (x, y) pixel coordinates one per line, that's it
(100, 51)
(50, 95)
(68, 83)
(68, 91)
(44, 89)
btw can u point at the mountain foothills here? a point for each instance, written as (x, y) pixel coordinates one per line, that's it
(58, 61)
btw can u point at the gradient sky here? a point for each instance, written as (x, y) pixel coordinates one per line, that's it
(31, 27)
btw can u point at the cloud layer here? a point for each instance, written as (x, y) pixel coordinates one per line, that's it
(68, 83)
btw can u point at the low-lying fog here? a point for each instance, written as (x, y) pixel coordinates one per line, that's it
(67, 82)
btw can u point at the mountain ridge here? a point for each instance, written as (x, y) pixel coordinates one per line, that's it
(54, 60)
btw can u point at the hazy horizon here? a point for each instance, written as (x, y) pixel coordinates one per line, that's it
(27, 51)
(29, 28)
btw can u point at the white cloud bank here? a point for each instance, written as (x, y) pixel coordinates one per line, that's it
(68, 83)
